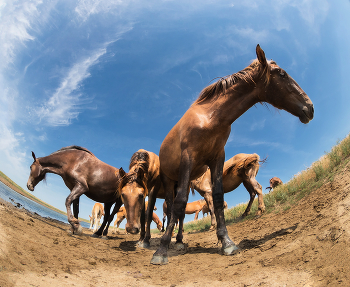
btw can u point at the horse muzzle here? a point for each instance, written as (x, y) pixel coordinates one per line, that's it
(30, 186)
(132, 230)
(307, 114)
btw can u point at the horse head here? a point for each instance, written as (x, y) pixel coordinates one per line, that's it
(280, 90)
(36, 175)
(133, 190)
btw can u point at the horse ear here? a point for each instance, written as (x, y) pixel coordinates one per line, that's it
(33, 155)
(122, 173)
(140, 173)
(261, 56)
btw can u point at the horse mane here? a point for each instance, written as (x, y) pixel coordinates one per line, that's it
(214, 90)
(75, 147)
(139, 160)
(251, 160)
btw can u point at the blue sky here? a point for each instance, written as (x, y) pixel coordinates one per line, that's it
(115, 76)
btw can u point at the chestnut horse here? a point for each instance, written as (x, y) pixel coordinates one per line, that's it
(121, 215)
(275, 181)
(240, 168)
(96, 215)
(142, 180)
(206, 210)
(198, 139)
(191, 207)
(83, 173)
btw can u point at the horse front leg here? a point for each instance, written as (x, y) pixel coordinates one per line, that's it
(143, 224)
(144, 242)
(174, 211)
(76, 208)
(73, 198)
(216, 169)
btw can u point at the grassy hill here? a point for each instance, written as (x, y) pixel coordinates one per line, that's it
(285, 196)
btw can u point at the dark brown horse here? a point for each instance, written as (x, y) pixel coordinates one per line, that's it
(142, 180)
(240, 168)
(275, 181)
(198, 139)
(83, 173)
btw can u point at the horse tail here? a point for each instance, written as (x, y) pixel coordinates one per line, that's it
(252, 162)
(192, 188)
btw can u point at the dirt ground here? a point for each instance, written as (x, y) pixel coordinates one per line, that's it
(307, 245)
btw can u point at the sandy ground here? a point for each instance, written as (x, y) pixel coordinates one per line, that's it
(307, 245)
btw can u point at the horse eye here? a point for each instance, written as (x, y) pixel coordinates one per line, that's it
(282, 74)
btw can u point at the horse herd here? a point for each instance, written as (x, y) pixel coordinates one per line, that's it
(192, 156)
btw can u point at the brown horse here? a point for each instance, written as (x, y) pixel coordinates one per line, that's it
(142, 180)
(83, 173)
(240, 168)
(206, 210)
(198, 139)
(96, 215)
(191, 207)
(275, 181)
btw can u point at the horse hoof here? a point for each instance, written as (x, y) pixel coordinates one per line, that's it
(159, 260)
(104, 237)
(79, 231)
(231, 250)
(212, 228)
(179, 246)
(95, 235)
(142, 244)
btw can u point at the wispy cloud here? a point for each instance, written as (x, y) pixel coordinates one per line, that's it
(63, 105)
(15, 27)
(87, 8)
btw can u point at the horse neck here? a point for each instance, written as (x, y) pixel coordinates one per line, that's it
(236, 101)
(52, 163)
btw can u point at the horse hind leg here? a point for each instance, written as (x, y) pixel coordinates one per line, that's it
(109, 218)
(253, 187)
(209, 199)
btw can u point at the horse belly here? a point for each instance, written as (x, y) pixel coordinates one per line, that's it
(231, 183)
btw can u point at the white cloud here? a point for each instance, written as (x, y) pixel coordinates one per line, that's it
(62, 106)
(13, 158)
(258, 125)
(15, 26)
(87, 8)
